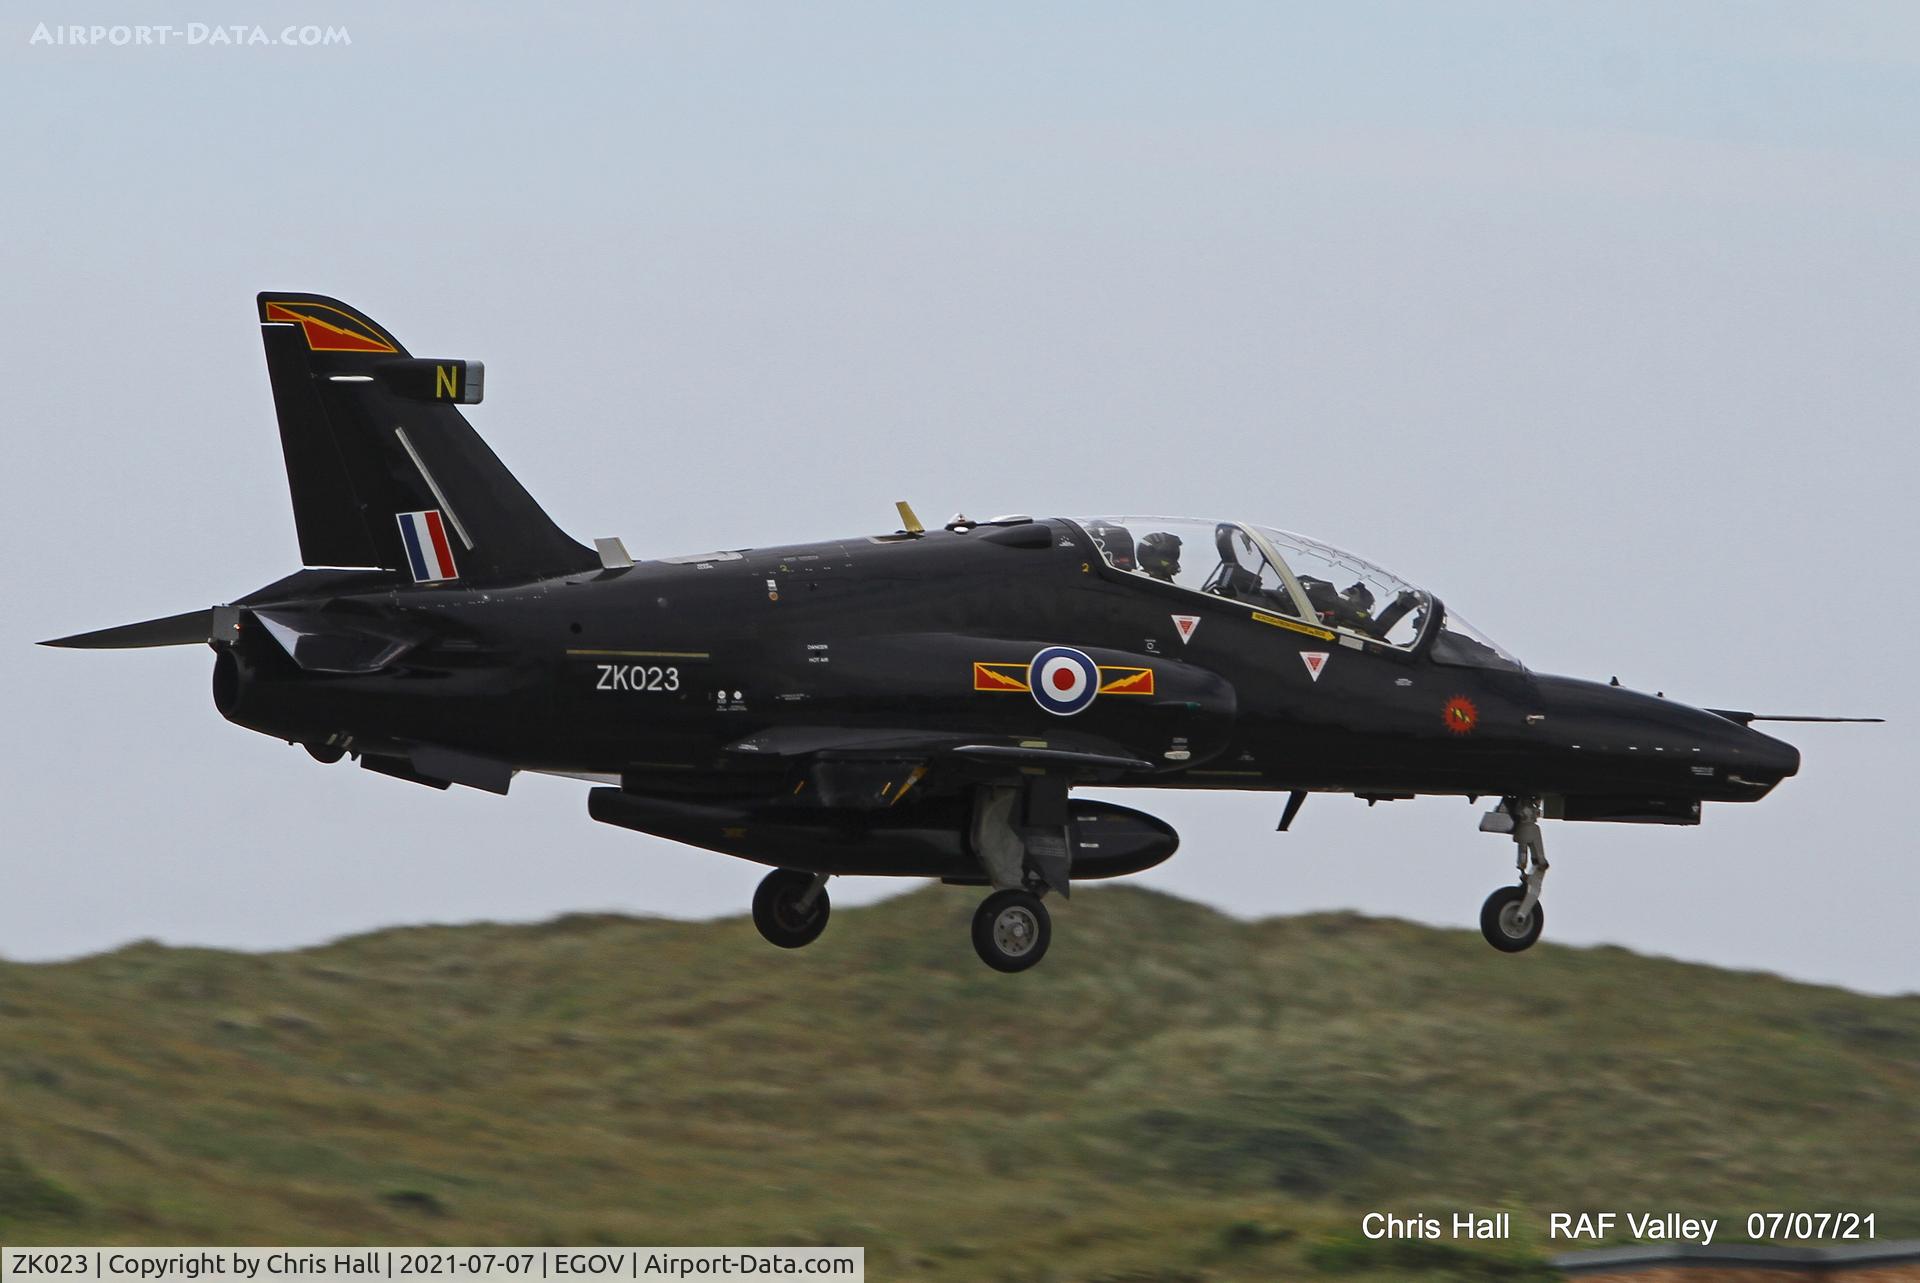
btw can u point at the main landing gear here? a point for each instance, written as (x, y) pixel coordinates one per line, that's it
(1512, 917)
(1011, 930)
(1023, 844)
(791, 907)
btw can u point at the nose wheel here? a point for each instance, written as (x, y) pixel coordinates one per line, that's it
(1507, 923)
(1011, 930)
(1512, 918)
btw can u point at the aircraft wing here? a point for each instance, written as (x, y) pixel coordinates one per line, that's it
(871, 768)
(806, 741)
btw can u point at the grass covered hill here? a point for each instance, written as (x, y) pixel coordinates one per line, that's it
(1173, 1095)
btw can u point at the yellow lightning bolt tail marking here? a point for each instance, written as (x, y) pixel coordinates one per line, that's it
(302, 314)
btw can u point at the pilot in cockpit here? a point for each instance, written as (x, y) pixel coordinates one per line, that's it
(1351, 609)
(1159, 555)
(1115, 544)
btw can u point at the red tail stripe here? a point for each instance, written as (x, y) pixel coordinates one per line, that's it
(438, 532)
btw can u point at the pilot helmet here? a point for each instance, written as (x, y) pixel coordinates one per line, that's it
(1115, 544)
(1159, 554)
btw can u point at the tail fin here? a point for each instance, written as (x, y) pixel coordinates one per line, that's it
(384, 470)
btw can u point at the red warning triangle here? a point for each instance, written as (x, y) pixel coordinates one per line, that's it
(1315, 660)
(1184, 625)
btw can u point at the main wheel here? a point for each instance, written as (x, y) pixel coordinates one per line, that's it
(777, 911)
(1502, 924)
(1011, 930)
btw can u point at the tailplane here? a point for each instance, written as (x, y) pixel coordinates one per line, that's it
(194, 628)
(384, 469)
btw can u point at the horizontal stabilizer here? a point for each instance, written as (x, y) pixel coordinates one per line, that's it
(194, 628)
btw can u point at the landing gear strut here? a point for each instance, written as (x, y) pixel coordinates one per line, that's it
(791, 907)
(1021, 839)
(1011, 930)
(1512, 918)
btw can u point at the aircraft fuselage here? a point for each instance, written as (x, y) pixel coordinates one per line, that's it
(653, 672)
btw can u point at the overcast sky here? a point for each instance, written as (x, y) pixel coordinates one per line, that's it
(1599, 320)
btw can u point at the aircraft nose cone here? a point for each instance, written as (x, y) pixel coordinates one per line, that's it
(1773, 760)
(1756, 762)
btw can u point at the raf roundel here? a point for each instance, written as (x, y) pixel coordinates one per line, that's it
(1063, 680)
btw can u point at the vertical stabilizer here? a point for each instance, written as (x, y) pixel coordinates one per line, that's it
(384, 469)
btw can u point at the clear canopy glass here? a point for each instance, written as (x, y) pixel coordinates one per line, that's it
(1287, 574)
(1351, 593)
(1461, 643)
(1221, 558)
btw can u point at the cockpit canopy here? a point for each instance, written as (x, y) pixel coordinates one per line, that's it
(1291, 576)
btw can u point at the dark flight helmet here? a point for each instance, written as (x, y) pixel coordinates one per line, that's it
(1115, 544)
(1159, 554)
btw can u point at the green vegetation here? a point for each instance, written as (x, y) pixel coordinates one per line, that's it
(1173, 1095)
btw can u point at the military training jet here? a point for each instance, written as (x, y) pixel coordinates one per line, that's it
(918, 703)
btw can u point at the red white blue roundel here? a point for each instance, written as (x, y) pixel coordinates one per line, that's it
(1063, 680)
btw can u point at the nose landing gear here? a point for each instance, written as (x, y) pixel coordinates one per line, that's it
(1512, 918)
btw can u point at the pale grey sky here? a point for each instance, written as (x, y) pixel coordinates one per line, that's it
(1597, 319)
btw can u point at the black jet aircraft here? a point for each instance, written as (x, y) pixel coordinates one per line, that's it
(919, 703)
